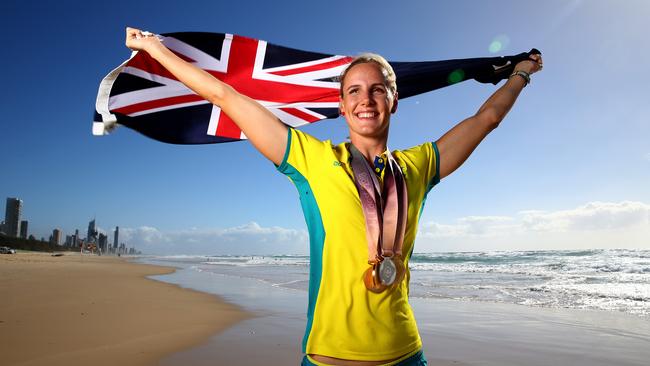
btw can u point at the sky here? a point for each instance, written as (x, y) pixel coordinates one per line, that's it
(569, 167)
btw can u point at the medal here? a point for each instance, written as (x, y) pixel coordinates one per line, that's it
(387, 271)
(382, 275)
(372, 281)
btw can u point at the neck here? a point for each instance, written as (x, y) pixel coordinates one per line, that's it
(369, 147)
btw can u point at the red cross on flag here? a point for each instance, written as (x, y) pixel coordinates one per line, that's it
(297, 91)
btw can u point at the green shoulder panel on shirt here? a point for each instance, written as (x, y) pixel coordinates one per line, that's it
(314, 223)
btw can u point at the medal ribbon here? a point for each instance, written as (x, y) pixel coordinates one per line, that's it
(385, 211)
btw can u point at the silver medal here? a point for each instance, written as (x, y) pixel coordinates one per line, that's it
(387, 271)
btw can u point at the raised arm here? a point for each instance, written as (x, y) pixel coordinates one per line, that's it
(264, 130)
(457, 144)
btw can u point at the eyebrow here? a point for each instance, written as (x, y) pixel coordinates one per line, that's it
(371, 85)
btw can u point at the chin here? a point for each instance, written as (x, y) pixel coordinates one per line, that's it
(373, 132)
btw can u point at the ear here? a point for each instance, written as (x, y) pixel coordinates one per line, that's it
(394, 108)
(341, 111)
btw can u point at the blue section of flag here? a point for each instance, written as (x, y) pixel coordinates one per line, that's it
(302, 85)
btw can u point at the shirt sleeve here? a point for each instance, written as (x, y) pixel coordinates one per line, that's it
(425, 159)
(302, 154)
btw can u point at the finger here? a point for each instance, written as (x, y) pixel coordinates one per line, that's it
(136, 34)
(131, 31)
(537, 59)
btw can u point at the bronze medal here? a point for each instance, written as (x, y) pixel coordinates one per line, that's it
(371, 279)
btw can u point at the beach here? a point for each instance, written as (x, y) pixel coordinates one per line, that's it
(90, 310)
(196, 310)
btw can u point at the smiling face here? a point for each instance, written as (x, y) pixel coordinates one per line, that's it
(367, 101)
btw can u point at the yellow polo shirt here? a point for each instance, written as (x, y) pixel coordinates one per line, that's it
(344, 319)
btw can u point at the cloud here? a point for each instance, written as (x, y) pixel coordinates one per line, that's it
(592, 216)
(647, 156)
(595, 224)
(250, 238)
(623, 224)
(145, 234)
(469, 226)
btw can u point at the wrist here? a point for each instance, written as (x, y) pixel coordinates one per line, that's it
(523, 74)
(155, 49)
(529, 66)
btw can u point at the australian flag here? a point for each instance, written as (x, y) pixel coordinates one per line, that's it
(299, 87)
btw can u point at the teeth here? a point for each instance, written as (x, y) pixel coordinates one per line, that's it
(366, 114)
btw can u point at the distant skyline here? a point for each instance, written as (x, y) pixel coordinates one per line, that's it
(13, 217)
(568, 168)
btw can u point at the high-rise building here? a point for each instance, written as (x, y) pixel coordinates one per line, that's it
(56, 237)
(23, 229)
(103, 242)
(115, 238)
(12, 216)
(92, 232)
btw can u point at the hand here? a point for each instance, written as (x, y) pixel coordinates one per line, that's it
(138, 40)
(532, 65)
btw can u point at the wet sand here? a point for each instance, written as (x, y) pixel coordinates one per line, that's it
(89, 310)
(453, 332)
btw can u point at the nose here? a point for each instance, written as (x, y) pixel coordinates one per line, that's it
(368, 98)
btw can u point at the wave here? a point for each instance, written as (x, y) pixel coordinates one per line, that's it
(606, 279)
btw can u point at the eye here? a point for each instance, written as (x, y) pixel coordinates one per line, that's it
(378, 90)
(353, 91)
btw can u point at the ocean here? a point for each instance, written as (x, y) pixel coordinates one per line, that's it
(608, 280)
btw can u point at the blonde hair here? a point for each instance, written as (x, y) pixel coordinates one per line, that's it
(386, 69)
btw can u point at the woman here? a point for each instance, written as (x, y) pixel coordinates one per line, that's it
(361, 201)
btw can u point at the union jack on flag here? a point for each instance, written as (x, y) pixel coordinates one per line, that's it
(299, 87)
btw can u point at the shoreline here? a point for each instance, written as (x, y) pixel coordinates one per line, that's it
(453, 332)
(74, 310)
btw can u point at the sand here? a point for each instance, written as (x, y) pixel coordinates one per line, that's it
(89, 310)
(74, 310)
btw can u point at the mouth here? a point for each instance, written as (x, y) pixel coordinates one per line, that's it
(362, 115)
